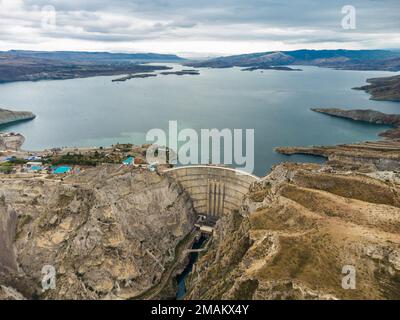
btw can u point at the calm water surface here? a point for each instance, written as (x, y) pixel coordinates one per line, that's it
(98, 112)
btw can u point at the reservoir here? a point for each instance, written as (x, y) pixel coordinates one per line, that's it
(276, 104)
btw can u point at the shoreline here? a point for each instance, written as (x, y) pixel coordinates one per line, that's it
(368, 156)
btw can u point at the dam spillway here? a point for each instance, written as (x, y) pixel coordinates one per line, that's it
(214, 190)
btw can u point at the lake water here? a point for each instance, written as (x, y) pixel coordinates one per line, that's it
(98, 112)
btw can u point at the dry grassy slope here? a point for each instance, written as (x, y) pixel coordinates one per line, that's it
(108, 232)
(302, 226)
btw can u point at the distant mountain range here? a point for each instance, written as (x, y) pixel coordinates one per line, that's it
(20, 65)
(388, 60)
(16, 65)
(91, 56)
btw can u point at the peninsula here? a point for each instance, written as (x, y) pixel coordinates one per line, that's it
(383, 89)
(8, 116)
(365, 156)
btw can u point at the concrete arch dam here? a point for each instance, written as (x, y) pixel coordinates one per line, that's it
(214, 190)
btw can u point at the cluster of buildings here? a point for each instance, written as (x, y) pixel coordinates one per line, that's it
(34, 164)
(23, 162)
(130, 161)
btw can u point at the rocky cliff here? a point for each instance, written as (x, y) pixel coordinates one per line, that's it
(109, 232)
(299, 227)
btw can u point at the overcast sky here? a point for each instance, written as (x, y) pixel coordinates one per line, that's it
(196, 27)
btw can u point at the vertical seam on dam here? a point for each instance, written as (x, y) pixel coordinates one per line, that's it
(214, 191)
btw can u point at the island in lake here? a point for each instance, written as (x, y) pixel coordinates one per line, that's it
(165, 73)
(133, 76)
(181, 73)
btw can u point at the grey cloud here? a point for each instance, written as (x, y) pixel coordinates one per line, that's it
(227, 20)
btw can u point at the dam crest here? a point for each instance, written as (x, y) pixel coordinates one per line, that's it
(214, 190)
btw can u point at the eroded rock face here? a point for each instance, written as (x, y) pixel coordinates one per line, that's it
(108, 232)
(302, 225)
(11, 141)
(8, 223)
(7, 293)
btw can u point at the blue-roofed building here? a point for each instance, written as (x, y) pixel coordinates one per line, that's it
(62, 170)
(128, 162)
(33, 158)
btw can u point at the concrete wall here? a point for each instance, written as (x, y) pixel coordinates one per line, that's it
(213, 190)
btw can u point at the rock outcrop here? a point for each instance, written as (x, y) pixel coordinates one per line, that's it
(109, 232)
(387, 88)
(7, 293)
(7, 116)
(303, 224)
(11, 141)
